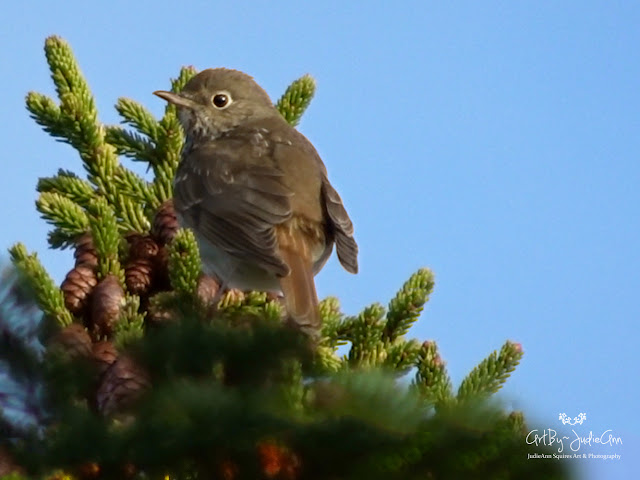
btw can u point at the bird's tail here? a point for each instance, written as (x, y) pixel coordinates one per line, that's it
(300, 294)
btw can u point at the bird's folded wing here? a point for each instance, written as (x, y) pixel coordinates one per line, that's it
(234, 206)
(346, 246)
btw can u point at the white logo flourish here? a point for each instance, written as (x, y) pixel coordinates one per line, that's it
(575, 421)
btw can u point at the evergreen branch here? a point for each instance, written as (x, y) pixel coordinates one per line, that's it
(101, 164)
(58, 238)
(184, 263)
(407, 305)
(367, 349)
(64, 69)
(137, 116)
(63, 213)
(131, 214)
(186, 74)
(295, 100)
(170, 141)
(135, 188)
(130, 326)
(331, 322)
(432, 380)
(47, 114)
(272, 312)
(237, 304)
(76, 102)
(21, 366)
(79, 121)
(19, 319)
(326, 360)
(517, 423)
(163, 182)
(489, 376)
(68, 184)
(402, 356)
(48, 296)
(104, 231)
(131, 145)
(292, 386)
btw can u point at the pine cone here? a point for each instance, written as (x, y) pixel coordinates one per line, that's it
(121, 385)
(138, 275)
(86, 253)
(73, 340)
(141, 246)
(208, 289)
(165, 223)
(107, 299)
(77, 287)
(104, 355)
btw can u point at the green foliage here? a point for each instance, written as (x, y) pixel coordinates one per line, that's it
(432, 380)
(47, 294)
(406, 306)
(69, 185)
(104, 231)
(184, 263)
(169, 142)
(489, 376)
(19, 318)
(295, 100)
(217, 386)
(219, 391)
(130, 325)
(70, 219)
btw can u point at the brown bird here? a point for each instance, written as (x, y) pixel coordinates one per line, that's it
(256, 193)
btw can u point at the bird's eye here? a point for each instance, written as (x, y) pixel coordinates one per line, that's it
(221, 100)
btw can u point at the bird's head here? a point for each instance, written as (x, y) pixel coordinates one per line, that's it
(218, 100)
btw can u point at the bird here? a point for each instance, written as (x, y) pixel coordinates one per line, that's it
(256, 194)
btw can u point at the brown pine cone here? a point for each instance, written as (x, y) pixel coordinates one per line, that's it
(77, 287)
(104, 355)
(138, 276)
(73, 340)
(141, 246)
(86, 253)
(165, 223)
(106, 302)
(121, 385)
(208, 289)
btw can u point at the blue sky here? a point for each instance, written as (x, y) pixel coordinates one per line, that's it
(494, 142)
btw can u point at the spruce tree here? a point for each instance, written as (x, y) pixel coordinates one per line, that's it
(132, 368)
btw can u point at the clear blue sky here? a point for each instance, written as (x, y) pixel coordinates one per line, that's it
(495, 142)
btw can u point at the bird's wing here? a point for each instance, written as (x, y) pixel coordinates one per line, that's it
(346, 246)
(233, 202)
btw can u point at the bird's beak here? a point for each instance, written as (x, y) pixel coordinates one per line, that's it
(175, 98)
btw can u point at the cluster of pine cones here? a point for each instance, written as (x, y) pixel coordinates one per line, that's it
(96, 306)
